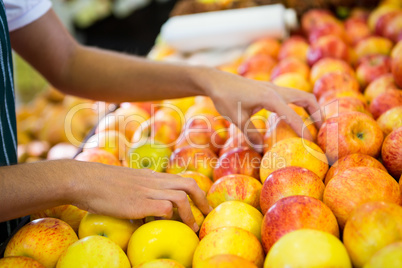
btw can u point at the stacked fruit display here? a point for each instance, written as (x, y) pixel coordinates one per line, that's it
(331, 202)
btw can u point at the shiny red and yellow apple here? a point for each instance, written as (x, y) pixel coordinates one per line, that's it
(373, 45)
(111, 141)
(229, 240)
(316, 17)
(257, 64)
(294, 47)
(43, 240)
(290, 181)
(243, 160)
(371, 67)
(98, 156)
(291, 65)
(293, 213)
(294, 152)
(390, 120)
(226, 261)
(371, 227)
(353, 132)
(358, 185)
(391, 153)
(327, 65)
(293, 80)
(19, 262)
(337, 94)
(379, 86)
(391, 98)
(356, 30)
(393, 29)
(350, 161)
(339, 106)
(329, 46)
(235, 187)
(202, 181)
(265, 46)
(335, 81)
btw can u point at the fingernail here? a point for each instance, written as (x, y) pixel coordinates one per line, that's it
(195, 227)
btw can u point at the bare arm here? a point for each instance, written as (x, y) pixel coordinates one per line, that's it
(103, 189)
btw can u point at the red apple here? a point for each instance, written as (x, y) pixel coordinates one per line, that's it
(392, 153)
(356, 30)
(397, 64)
(43, 240)
(356, 186)
(353, 132)
(316, 17)
(378, 86)
(338, 106)
(235, 187)
(290, 181)
(291, 65)
(235, 141)
(294, 47)
(293, 213)
(335, 81)
(352, 160)
(373, 45)
(257, 64)
(394, 28)
(386, 101)
(337, 94)
(188, 158)
(371, 227)
(265, 46)
(384, 20)
(371, 67)
(327, 47)
(243, 160)
(334, 29)
(327, 65)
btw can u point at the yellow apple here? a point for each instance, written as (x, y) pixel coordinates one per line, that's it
(43, 240)
(233, 213)
(226, 261)
(117, 230)
(161, 263)
(293, 80)
(389, 256)
(67, 213)
(294, 152)
(162, 239)
(19, 262)
(203, 181)
(229, 240)
(94, 251)
(308, 248)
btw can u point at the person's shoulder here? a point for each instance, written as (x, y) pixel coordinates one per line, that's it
(23, 12)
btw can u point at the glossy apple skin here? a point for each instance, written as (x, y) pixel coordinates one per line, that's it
(379, 86)
(19, 262)
(355, 186)
(329, 29)
(384, 20)
(161, 263)
(335, 81)
(112, 141)
(242, 160)
(233, 214)
(371, 67)
(202, 181)
(290, 181)
(291, 65)
(390, 120)
(162, 239)
(352, 160)
(226, 261)
(316, 17)
(117, 230)
(338, 106)
(373, 45)
(99, 156)
(229, 240)
(235, 187)
(294, 47)
(371, 227)
(299, 249)
(293, 213)
(94, 251)
(356, 30)
(332, 95)
(327, 65)
(394, 28)
(327, 47)
(386, 101)
(43, 240)
(67, 213)
(352, 132)
(294, 152)
(392, 154)
(192, 159)
(389, 256)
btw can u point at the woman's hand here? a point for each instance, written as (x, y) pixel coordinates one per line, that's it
(239, 98)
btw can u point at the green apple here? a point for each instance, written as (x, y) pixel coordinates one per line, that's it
(118, 230)
(153, 155)
(94, 251)
(162, 239)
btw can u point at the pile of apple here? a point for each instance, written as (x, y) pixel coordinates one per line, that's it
(331, 202)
